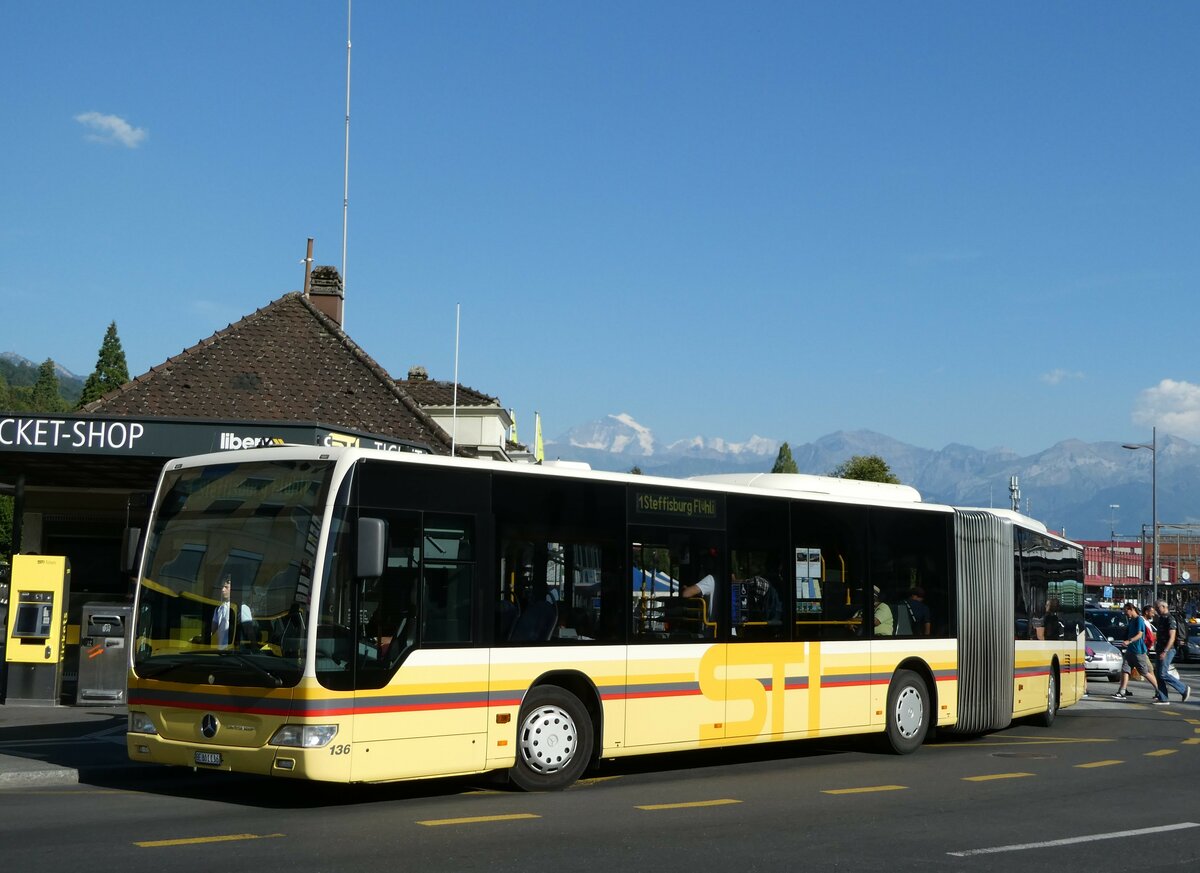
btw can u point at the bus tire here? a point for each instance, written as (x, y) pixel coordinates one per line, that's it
(1046, 717)
(554, 740)
(907, 714)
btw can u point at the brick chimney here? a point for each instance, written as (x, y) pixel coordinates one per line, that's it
(325, 292)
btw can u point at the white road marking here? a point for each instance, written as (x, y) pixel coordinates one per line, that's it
(1072, 840)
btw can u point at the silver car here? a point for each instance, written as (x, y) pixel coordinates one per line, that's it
(1103, 659)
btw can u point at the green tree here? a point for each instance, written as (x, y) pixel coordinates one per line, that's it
(5, 394)
(45, 396)
(867, 468)
(111, 370)
(635, 470)
(784, 463)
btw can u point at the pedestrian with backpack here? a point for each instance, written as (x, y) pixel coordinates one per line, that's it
(1136, 657)
(1166, 630)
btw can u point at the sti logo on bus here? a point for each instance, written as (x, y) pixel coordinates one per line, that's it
(233, 441)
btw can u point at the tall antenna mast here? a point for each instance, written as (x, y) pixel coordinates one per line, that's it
(346, 177)
(454, 402)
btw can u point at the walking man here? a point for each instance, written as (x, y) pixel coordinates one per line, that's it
(1136, 657)
(1165, 629)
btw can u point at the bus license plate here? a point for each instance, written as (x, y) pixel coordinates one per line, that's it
(210, 758)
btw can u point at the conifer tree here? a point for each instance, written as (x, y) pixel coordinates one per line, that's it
(111, 370)
(6, 522)
(45, 396)
(784, 463)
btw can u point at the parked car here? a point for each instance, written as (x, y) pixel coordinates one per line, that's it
(1190, 651)
(1110, 622)
(1103, 659)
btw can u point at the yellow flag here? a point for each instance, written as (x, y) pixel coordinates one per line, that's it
(539, 451)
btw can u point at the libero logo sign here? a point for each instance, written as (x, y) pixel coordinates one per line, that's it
(233, 441)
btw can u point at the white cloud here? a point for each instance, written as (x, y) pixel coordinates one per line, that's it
(111, 129)
(1058, 376)
(1173, 407)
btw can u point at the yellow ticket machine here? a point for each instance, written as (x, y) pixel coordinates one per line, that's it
(37, 628)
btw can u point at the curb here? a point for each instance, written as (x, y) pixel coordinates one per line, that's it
(49, 776)
(104, 775)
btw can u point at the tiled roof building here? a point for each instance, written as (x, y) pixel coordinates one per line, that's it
(288, 361)
(477, 423)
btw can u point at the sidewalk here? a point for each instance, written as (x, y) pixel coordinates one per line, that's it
(63, 745)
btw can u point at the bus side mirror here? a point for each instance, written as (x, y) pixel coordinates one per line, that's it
(372, 548)
(131, 539)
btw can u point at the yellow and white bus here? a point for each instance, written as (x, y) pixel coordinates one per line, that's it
(399, 616)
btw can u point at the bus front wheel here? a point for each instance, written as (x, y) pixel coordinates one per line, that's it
(907, 712)
(1046, 717)
(554, 740)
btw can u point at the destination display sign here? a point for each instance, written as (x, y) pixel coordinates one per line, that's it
(670, 507)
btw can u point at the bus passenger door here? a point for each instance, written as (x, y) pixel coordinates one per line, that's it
(676, 663)
(421, 698)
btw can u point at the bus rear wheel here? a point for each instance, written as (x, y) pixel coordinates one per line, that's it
(907, 712)
(554, 740)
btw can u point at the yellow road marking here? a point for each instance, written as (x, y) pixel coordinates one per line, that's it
(1192, 720)
(689, 805)
(476, 819)
(192, 841)
(1161, 752)
(1098, 764)
(1192, 742)
(866, 790)
(995, 776)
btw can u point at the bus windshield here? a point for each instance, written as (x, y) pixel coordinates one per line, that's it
(227, 575)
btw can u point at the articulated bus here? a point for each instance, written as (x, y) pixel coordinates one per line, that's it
(398, 616)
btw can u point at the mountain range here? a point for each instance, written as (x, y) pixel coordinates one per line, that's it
(1070, 486)
(20, 372)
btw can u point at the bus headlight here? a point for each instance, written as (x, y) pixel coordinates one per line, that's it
(140, 723)
(304, 736)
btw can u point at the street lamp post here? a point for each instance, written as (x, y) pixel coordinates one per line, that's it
(1112, 543)
(1153, 447)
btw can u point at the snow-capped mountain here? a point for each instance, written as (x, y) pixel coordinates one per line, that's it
(619, 442)
(1070, 486)
(613, 434)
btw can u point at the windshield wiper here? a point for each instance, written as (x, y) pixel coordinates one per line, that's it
(148, 671)
(247, 662)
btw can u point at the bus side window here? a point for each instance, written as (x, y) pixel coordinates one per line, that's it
(448, 574)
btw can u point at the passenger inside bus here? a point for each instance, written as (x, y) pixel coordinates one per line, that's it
(705, 585)
(538, 616)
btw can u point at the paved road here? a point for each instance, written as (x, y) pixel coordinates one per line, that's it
(1027, 797)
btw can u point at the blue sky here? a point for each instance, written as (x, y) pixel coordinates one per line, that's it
(946, 222)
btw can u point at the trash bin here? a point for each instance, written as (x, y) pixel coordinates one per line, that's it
(104, 633)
